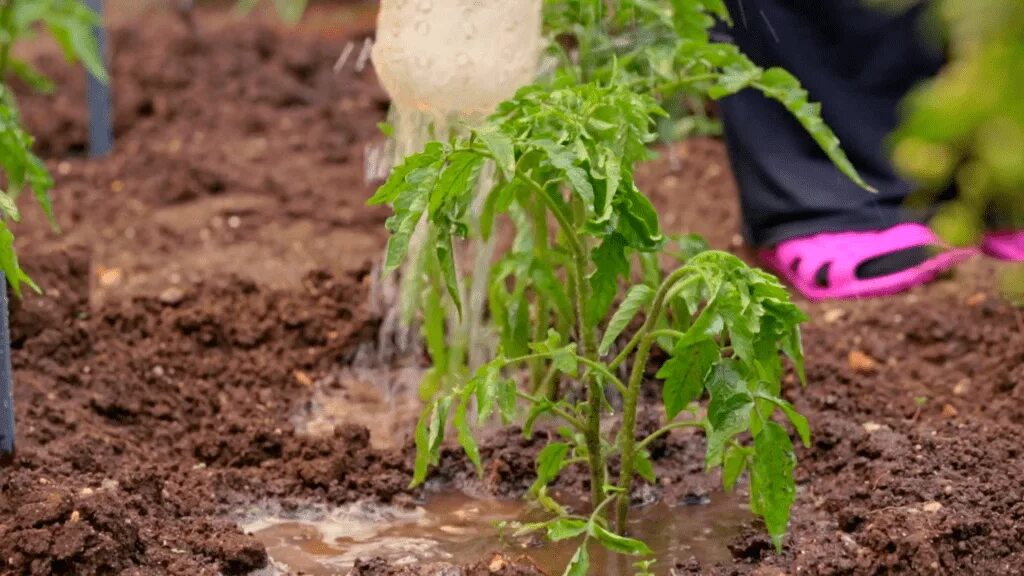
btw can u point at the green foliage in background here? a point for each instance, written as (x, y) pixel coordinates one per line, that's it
(71, 24)
(966, 127)
(288, 10)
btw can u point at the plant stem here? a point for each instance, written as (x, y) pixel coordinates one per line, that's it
(540, 246)
(627, 438)
(569, 418)
(595, 393)
(665, 430)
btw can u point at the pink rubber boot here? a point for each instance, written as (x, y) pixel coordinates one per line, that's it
(825, 266)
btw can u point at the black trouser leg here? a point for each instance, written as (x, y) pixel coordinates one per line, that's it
(859, 63)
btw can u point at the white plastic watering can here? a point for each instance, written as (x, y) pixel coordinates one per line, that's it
(456, 56)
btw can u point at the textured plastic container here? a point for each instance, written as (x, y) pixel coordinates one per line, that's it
(456, 56)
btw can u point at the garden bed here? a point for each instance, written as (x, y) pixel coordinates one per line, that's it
(214, 276)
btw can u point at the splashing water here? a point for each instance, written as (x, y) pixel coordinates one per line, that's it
(447, 64)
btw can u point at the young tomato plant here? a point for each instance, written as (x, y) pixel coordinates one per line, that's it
(563, 154)
(71, 24)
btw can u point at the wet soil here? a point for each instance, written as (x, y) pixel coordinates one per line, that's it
(211, 284)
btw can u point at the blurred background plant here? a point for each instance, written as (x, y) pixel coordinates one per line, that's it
(965, 128)
(289, 10)
(70, 23)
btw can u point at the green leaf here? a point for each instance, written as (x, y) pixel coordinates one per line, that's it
(684, 375)
(422, 446)
(611, 263)
(565, 528)
(9, 207)
(550, 462)
(728, 411)
(579, 565)
(466, 439)
(501, 147)
(733, 465)
(446, 258)
(772, 488)
(799, 421)
(484, 383)
(618, 544)
(29, 75)
(9, 263)
(644, 467)
(782, 86)
(638, 297)
(72, 25)
(507, 399)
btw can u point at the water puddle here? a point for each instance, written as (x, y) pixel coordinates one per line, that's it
(454, 527)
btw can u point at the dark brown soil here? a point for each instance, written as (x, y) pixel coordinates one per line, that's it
(216, 267)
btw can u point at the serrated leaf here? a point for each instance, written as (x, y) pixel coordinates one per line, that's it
(466, 440)
(565, 528)
(772, 488)
(644, 467)
(684, 375)
(637, 298)
(501, 147)
(733, 464)
(446, 259)
(610, 261)
(618, 544)
(728, 411)
(550, 462)
(799, 421)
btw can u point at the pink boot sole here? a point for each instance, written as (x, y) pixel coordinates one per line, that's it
(1007, 246)
(798, 260)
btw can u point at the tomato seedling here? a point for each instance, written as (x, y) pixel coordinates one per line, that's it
(563, 152)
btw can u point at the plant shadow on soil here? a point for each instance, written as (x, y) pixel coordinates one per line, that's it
(215, 270)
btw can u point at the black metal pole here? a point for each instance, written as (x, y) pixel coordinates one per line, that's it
(101, 132)
(6, 380)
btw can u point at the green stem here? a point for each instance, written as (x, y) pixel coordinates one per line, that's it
(564, 415)
(595, 393)
(640, 334)
(627, 439)
(540, 225)
(665, 430)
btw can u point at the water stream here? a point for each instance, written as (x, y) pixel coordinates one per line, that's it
(457, 528)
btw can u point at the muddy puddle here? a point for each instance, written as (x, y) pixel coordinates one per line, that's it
(454, 527)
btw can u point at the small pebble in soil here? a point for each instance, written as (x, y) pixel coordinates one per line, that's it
(862, 363)
(110, 276)
(172, 296)
(834, 315)
(234, 222)
(949, 411)
(871, 427)
(932, 507)
(977, 299)
(962, 387)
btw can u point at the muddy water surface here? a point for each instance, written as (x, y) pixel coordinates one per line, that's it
(454, 527)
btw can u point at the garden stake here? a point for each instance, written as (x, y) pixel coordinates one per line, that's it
(6, 381)
(101, 134)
